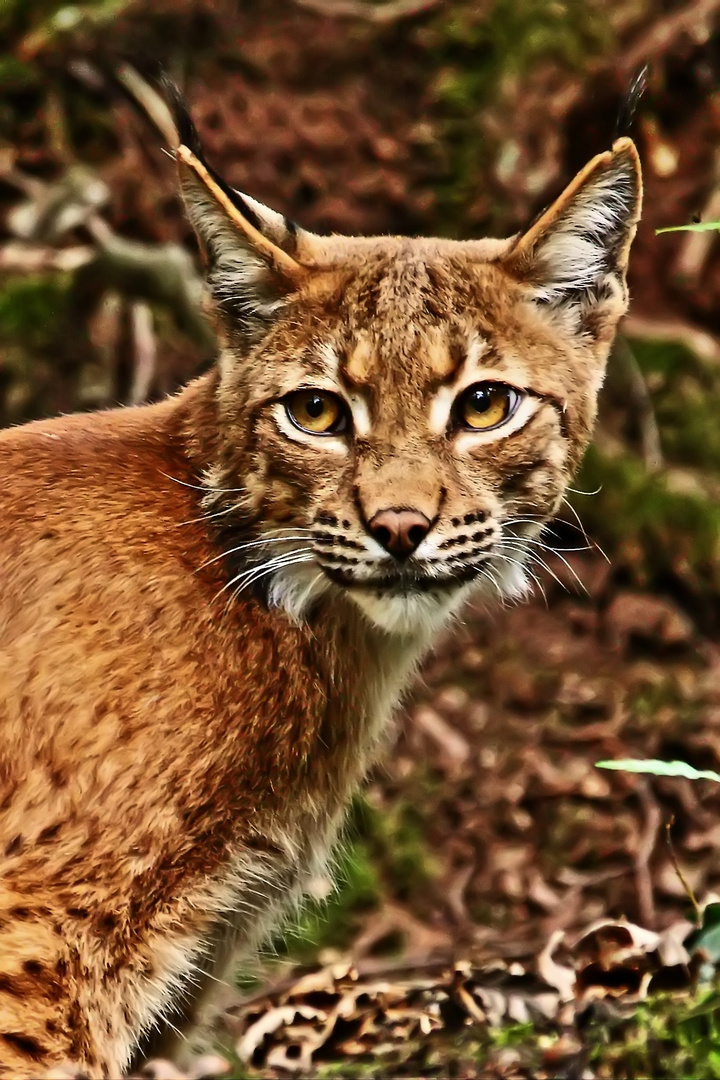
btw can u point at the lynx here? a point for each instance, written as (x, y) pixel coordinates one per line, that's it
(211, 606)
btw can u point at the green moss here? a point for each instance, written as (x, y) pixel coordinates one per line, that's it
(512, 1035)
(667, 358)
(351, 1068)
(671, 531)
(478, 53)
(32, 309)
(395, 838)
(669, 1036)
(645, 704)
(384, 853)
(686, 399)
(15, 74)
(332, 923)
(20, 15)
(509, 40)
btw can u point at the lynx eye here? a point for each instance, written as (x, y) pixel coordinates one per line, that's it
(316, 411)
(487, 405)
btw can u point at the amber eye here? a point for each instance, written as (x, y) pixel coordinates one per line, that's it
(316, 411)
(487, 405)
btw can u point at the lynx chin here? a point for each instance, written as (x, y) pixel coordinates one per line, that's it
(211, 606)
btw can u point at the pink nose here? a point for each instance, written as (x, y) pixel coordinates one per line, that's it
(399, 531)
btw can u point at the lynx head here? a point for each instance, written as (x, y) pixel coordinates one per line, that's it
(399, 417)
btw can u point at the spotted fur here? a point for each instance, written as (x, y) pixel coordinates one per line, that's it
(183, 721)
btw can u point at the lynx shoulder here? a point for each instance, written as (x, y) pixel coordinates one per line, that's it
(211, 606)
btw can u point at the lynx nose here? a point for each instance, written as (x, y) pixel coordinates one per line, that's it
(399, 531)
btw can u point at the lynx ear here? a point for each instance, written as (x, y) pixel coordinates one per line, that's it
(574, 257)
(249, 248)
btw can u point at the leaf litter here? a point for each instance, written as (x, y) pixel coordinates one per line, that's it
(543, 911)
(551, 881)
(394, 1018)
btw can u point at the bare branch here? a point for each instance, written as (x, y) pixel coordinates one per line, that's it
(646, 846)
(146, 273)
(381, 14)
(695, 340)
(18, 258)
(639, 404)
(694, 20)
(143, 333)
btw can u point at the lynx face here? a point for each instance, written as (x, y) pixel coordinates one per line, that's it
(400, 417)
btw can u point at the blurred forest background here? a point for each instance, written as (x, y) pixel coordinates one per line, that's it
(463, 938)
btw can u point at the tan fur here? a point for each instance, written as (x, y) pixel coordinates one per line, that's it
(176, 755)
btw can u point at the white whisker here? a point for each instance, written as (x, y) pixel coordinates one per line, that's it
(287, 528)
(206, 517)
(530, 520)
(523, 521)
(204, 487)
(272, 564)
(249, 544)
(558, 555)
(573, 571)
(575, 514)
(526, 570)
(268, 569)
(548, 547)
(486, 573)
(518, 548)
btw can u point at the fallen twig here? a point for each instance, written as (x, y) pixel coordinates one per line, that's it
(695, 247)
(683, 880)
(640, 402)
(697, 341)
(643, 878)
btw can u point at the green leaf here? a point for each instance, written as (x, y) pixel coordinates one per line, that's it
(698, 226)
(707, 936)
(660, 768)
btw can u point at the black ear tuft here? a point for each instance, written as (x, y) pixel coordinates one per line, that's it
(630, 102)
(188, 136)
(187, 132)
